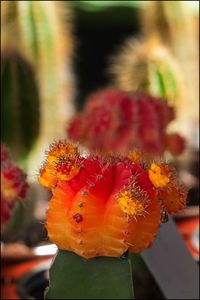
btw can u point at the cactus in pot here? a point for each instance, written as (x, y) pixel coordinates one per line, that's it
(102, 207)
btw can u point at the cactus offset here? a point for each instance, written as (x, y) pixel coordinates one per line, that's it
(113, 120)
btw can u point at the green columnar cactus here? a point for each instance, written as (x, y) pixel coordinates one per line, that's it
(20, 102)
(97, 278)
(147, 66)
(41, 32)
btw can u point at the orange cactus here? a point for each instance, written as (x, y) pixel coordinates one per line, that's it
(104, 205)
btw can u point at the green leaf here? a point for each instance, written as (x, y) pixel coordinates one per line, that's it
(73, 277)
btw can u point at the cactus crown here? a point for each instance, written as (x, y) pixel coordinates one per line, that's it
(103, 205)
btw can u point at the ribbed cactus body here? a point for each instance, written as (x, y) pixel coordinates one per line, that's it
(116, 196)
(101, 207)
(20, 111)
(113, 120)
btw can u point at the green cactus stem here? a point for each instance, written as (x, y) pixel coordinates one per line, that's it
(20, 111)
(73, 277)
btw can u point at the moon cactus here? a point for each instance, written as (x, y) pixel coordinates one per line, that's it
(118, 121)
(104, 205)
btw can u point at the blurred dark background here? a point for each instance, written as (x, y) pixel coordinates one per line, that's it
(98, 35)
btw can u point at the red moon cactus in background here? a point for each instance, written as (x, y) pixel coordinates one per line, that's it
(13, 185)
(113, 120)
(103, 205)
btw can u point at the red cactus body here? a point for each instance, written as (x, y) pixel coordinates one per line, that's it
(104, 205)
(117, 121)
(13, 185)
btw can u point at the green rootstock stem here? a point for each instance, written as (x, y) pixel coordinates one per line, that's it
(73, 277)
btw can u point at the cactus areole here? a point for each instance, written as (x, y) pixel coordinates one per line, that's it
(102, 206)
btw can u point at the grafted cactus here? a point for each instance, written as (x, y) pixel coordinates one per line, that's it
(102, 206)
(13, 185)
(113, 120)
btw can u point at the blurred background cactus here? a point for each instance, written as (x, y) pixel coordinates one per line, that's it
(146, 65)
(20, 105)
(176, 23)
(114, 120)
(40, 33)
(13, 186)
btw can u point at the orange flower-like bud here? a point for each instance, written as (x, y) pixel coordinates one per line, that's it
(106, 205)
(63, 163)
(157, 177)
(171, 193)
